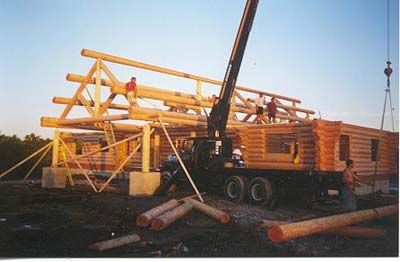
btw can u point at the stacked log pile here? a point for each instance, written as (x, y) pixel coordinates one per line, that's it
(160, 217)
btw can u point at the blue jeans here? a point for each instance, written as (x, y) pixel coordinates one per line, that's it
(349, 199)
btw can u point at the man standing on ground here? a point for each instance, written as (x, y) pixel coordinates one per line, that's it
(260, 108)
(131, 91)
(271, 108)
(350, 181)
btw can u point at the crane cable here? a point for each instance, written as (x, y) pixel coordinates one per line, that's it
(388, 71)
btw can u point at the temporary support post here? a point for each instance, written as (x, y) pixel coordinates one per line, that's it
(146, 149)
(79, 165)
(102, 149)
(180, 161)
(37, 163)
(25, 160)
(120, 167)
(56, 148)
(97, 91)
(156, 153)
(69, 173)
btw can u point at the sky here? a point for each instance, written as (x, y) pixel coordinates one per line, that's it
(328, 53)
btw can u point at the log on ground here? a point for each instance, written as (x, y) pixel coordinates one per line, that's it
(171, 216)
(300, 229)
(116, 242)
(145, 219)
(210, 211)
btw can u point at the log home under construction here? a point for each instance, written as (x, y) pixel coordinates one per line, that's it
(295, 142)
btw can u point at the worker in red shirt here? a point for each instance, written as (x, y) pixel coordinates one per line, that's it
(271, 108)
(131, 91)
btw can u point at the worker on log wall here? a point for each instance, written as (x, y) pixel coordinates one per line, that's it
(350, 181)
(271, 108)
(259, 101)
(131, 91)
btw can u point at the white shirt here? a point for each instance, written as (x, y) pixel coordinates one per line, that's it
(237, 152)
(260, 101)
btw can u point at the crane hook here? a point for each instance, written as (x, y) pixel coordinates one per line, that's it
(388, 71)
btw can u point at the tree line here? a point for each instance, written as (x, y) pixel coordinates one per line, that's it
(13, 149)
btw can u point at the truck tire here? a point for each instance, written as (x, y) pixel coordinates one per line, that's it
(235, 188)
(260, 191)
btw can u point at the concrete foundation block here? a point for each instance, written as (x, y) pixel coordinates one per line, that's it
(143, 184)
(54, 177)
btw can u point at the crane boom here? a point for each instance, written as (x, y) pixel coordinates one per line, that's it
(220, 112)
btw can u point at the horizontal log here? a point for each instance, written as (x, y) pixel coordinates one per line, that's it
(86, 120)
(116, 242)
(362, 129)
(159, 94)
(280, 105)
(220, 216)
(52, 122)
(145, 219)
(171, 216)
(64, 100)
(189, 107)
(348, 231)
(119, 88)
(123, 61)
(149, 113)
(301, 229)
(170, 120)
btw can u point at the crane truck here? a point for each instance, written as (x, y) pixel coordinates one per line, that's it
(209, 159)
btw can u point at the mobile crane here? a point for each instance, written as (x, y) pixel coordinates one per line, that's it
(209, 159)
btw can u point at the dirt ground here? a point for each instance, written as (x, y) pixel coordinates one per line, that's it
(36, 222)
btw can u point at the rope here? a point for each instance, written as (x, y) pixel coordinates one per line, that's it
(150, 103)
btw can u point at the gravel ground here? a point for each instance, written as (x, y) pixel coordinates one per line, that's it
(36, 222)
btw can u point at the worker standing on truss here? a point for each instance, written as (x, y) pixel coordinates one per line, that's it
(259, 101)
(271, 108)
(131, 91)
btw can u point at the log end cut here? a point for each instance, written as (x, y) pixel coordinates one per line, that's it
(275, 234)
(157, 224)
(225, 218)
(142, 221)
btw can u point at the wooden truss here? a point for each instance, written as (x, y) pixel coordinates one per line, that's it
(180, 108)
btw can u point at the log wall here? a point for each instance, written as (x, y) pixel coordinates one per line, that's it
(326, 135)
(318, 147)
(361, 147)
(258, 151)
